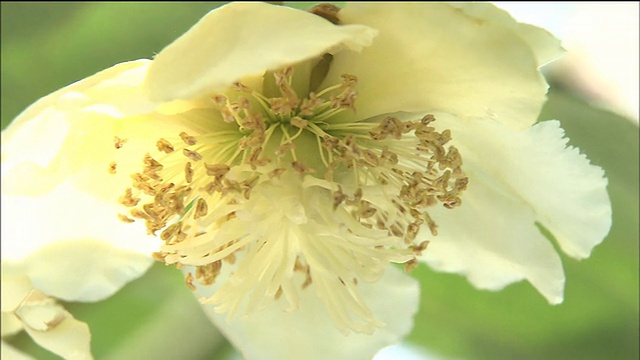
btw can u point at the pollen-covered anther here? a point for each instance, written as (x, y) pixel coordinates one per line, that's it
(164, 146)
(118, 142)
(128, 199)
(189, 140)
(188, 279)
(301, 168)
(125, 219)
(201, 208)
(112, 167)
(411, 264)
(193, 155)
(207, 274)
(188, 172)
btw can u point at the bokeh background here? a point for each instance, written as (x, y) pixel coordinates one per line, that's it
(46, 46)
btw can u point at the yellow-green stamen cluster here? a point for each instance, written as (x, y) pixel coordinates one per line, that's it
(284, 197)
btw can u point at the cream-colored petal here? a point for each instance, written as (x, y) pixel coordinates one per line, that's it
(116, 86)
(38, 148)
(10, 323)
(309, 333)
(245, 39)
(518, 179)
(14, 290)
(71, 244)
(433, 57)
(55, 329)
(544, 45)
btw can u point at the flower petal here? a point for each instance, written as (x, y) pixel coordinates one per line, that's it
(245, 39)
(14, 290)
(36, 150)
(518, 179)
(10, 323)
(544, 45)
(434, 57)
(67, 251)
(309, 333)
(55, 329)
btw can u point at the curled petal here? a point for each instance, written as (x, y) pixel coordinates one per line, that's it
(53, 328)
(309, 333)
(543, 44)
(241, 40)
(442, 59)
(518, 180)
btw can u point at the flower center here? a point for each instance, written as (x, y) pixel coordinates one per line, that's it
(277, 193)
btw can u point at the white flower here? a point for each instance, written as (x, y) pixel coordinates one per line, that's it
(285, 162)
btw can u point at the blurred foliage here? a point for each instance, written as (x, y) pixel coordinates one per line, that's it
(46, 46)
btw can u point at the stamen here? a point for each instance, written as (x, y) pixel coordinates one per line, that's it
(292, 200)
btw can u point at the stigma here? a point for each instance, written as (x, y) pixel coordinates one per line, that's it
(274, 189)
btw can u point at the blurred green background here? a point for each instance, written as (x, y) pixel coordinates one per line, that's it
(46, 46)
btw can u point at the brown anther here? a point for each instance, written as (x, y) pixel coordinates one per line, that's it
(338, 198)
(371, 158)
(301, 169)
(151, 164)
(171, 231)
(278, 293)
(189, 140)
(276, 173)
(410, 265)
(367, 211)
(112, 167)
(188, 172)
(188, 279)
(118, 143)
(238, 86)
(307, 282)
(217, 170)
(206, 274)
(219, 100)
(158, 256)
(201, 209)
(326, 11)
(418, 249)
(193, 155)
(396, 230)
(412, 232)
(128, 200)
(125, 219)
(164, 146)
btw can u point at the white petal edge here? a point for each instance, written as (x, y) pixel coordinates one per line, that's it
(433, 57)
(71, 244)
(308, 333)
(518, 178)
(55, 329)
(545, 46)
(240, 40)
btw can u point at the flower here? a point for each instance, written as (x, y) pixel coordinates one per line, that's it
(286, 167)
